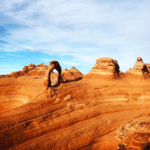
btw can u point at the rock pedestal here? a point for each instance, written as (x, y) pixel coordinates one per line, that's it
(139, 68)
(106, 67)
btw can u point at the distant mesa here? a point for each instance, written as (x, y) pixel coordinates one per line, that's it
(140, 68)
(106, 67)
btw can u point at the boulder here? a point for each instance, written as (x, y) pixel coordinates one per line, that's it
(106, 67)
(135, 134)
(68, 98)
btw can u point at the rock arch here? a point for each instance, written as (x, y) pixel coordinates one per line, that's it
(52, 65)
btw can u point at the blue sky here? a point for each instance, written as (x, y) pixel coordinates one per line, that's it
(75, 33)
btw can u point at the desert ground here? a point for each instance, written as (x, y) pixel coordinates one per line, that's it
(84, 113)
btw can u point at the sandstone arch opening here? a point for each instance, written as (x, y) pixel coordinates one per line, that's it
(54, 77)
(51, 76)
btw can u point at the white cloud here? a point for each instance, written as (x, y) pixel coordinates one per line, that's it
(83, 30)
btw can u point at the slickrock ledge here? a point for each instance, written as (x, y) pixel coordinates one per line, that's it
(135, 134)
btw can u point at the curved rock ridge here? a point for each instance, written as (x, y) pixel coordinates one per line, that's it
(139, 67)
(106, 67)
(135, 134)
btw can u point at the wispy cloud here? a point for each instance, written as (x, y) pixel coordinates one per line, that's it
(82, 30)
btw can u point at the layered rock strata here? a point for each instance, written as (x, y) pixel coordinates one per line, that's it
(71, 74)
(139, 68)
(41, 69)
(25, 68)
(31, 69)
(74, 70)
(135, 134)
(106, 67)
(148, 67)
(47, 79)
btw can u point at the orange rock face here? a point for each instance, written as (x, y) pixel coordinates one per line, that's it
(80, 114)
(139, 68)
(71, 75)
(106, 67)
(135, 134)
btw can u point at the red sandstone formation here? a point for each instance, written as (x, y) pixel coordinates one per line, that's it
(135, 134)
(41, 69)
(106, 67)
(25, 69)
(86, 114)
(74, 71)
(139, 68)
(47, 79)
(71, 74)
(148, 67)
(31, 66)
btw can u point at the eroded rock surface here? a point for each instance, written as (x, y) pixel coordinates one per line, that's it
(72, 74)
(86, 120)
(135, 134)
(31, 66)
(41, 69)
(139, 68)
(106, 67)
(47, 79)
